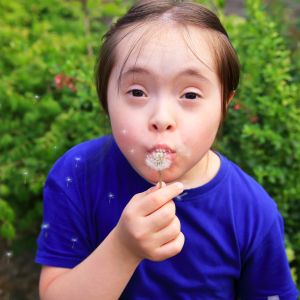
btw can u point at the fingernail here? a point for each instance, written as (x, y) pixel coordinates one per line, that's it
(179, 185)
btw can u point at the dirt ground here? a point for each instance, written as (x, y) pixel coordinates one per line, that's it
(18, 276)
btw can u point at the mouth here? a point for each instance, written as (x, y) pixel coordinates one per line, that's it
(161, 148)
(160, 157)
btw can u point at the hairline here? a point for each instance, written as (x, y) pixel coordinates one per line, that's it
(188, 43)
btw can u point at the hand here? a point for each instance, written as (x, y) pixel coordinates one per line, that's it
(148, 227)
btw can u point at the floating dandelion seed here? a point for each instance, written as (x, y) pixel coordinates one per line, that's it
(8, 255)
(68, 180)
(77, 160)
(37, 98)
(158, 161)
(45, 227)
(110, 197)
(25, 174)
(132, 151)
(55, 148)
(74, 241)
(179, 197)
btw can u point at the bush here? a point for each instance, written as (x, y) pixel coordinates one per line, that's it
(262, 131)
(47, 99)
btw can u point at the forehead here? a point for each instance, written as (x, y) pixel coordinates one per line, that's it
(165, 46)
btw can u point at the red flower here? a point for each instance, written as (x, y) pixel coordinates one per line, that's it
(62, 80)
(58, 79)
(236, 106)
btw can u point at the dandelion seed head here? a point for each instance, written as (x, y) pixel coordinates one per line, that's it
(158, 160)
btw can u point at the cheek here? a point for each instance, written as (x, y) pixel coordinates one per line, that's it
(127, 132)
(199, 132)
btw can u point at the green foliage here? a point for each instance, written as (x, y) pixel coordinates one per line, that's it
(7, 217)
(48, 103)
(47, 98)
(262, 131)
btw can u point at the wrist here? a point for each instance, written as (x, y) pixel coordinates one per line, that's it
(122, 251)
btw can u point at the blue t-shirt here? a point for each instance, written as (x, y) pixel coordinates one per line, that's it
(234, 244)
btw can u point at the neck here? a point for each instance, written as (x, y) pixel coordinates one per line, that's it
(204, 171)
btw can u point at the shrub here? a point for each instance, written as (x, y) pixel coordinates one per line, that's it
(262, 131)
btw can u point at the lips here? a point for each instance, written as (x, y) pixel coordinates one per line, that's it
(162, 148)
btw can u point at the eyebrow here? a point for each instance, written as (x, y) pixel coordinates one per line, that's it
(186, 72)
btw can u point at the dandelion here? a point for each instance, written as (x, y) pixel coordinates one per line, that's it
(158, 161)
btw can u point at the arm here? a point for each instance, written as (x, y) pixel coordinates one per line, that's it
(148, 228)
(103, 275)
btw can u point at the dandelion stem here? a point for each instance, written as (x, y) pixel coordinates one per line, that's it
(160, 179)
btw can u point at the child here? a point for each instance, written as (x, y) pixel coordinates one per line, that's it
(165, 76)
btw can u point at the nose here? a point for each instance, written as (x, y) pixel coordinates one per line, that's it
(162, 119)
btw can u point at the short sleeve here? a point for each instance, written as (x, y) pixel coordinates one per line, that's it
(266, 273)
(63, 240)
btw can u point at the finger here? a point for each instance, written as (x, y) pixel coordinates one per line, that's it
(171, 248)
(152, 189)
(137, 197)
(158, 198)
(162, 217)
(168, 233)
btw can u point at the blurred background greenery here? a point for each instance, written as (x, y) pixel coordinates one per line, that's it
(48, 103)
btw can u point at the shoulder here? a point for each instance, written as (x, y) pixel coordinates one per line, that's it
(246, 190)
(85, 155)
(253, 210)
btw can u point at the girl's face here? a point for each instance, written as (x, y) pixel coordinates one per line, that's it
(169, 98)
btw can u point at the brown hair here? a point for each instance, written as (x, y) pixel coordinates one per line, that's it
(181, 12)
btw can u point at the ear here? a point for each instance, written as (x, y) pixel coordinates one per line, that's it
(230, 97)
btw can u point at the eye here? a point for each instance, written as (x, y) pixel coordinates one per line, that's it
(136, 93)
(191, 96)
